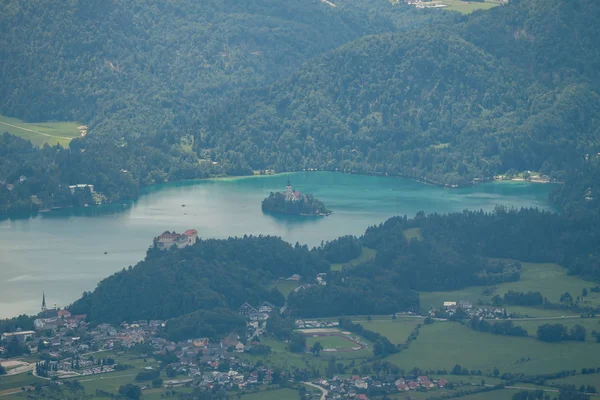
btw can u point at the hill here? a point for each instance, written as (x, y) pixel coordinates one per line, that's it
(142, 75)
(515, 87)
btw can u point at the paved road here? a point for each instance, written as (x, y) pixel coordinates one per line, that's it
(323, 390)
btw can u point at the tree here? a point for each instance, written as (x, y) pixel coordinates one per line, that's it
(566, 298)
(130, 391)
(297, 343)
(577, 333)
(584, 292)
(552, 333)
(316, 349)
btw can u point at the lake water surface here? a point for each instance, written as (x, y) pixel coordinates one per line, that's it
(63, 253)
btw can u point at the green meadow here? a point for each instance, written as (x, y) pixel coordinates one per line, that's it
(279, 394)
(366, 255)
(412, 233)
(330, 342)
(397, 331)
(467, 7)
(551, 280)
(445, 344)
(285, 287)
(578, 380)
(8, 382)
(40, 133)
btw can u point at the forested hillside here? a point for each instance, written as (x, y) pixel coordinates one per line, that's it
(144, 74)
(179, 90)
(208, 275)
(515, 87)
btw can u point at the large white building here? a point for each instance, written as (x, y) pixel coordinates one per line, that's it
(170, 239)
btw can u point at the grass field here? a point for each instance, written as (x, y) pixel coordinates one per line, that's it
(445, 344)
(590, 324)
(366, 255)
(397, 331)
(17, 381)
(578, 380)
(279, 394)
(285, 287)
(413, 233)
(551, 280)
(465, 7)
(41, 132)
(504, 394)
(330, 342)
(110, 382)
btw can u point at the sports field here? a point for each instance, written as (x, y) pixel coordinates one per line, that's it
(338, 343)
(40, 133)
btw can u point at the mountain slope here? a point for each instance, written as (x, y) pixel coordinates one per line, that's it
(446, 104)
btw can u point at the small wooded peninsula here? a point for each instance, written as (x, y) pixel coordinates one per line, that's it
(294, 203)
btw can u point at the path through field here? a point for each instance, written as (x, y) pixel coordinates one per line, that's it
(32, 131)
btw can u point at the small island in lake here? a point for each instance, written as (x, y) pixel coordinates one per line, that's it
(293, 202)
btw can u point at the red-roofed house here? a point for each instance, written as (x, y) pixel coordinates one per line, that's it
(422, 378)
(402, 387)
(442, 383)
(413, 385)
(64, 314)
(427, 384)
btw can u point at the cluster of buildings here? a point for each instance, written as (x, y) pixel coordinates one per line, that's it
(449, 308)
(169, 239)
(259, 313)
(314, 324)
(11, 186)
(357, 387)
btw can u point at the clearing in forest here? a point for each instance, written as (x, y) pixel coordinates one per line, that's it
(40, 133)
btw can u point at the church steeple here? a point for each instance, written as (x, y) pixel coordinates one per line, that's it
(44, 308)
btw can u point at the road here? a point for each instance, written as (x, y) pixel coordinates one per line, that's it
(323, 390)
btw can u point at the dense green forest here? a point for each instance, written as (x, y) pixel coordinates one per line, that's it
(188, 90)
(210, 274)
(512, 88)
(456, 251)
(144, 76)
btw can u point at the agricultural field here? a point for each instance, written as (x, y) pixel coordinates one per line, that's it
(445, 344)
(285, 287)
(551, 280)
(590, 324)
(366, 255)
(467, 7)
(40, 133)
(504, 394)
(8, 382)
(397, 331)
(578, 380)
(279, 394)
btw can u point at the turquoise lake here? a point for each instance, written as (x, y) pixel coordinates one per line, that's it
(62, 253)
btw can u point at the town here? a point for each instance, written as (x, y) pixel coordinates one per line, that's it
(68, 347)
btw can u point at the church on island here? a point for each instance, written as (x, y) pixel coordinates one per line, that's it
(290, 194)
(170, 239)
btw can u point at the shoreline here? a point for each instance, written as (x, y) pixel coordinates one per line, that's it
(224, 178)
